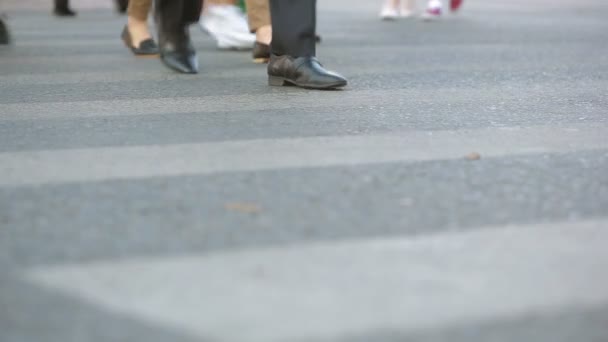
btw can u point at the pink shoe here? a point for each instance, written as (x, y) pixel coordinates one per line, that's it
(433, 10)
(455, 5)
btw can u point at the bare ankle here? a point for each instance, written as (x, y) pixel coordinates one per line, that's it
(138, 29)
(264, 34)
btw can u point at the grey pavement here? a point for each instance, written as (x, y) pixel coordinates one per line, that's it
(141, 205)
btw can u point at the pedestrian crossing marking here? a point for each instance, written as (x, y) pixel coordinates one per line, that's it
(330, 289)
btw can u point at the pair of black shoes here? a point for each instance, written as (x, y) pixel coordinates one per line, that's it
(305, 72)
(177, 53)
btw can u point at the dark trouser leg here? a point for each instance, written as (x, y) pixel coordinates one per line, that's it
(293, 59)
(293, 27)
(173, 19)
(122, 5)
(62, 8)
(4, 35)
(174, 16)
(60, 4)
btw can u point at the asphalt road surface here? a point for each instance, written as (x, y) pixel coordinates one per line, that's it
(456, 190)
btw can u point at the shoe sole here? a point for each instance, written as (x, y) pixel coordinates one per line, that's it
(276, 81)
(261, 60)
(179, 68)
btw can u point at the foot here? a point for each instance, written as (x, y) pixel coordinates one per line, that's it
(261, 48)
(122, 5)
(433, 11)
(138, 31)
(261, 53)
(305, 72)
(228, 26)
(139, 47)
(455, 5)
(177, 52)
(390, 11)
(5, 37)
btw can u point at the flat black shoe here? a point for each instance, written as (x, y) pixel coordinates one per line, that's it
(146, 48)
(305, 72)
(261, 53)
(5, 37)
(122, 5)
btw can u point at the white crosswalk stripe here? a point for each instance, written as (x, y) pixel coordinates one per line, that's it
(324, 291)
(99, 164)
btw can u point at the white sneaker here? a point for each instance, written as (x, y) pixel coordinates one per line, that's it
(228, 26)
(389, 12)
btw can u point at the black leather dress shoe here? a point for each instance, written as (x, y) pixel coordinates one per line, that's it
(146, 48)
(5, 37)
(305, 72)
(177, 53)
(122, 5)
(261, 53)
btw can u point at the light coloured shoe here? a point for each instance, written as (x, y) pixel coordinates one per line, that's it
(406, 14)
(433, 11)
(228, 26)
(389, 12)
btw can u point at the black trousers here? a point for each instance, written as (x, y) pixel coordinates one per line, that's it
(293, 27)
(175, 15)
(293, 23)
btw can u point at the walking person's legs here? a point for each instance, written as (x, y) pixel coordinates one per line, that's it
(62, 8)
(258, 15)
(394, 9)
(136, 34)
(5, 37)
(293, 46)
(174, 18)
